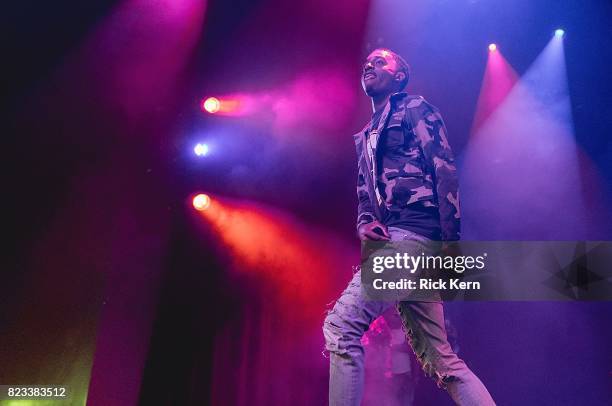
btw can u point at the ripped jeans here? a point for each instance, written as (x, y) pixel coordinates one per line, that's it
(423, 322)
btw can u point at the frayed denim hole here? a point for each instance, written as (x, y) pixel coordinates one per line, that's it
(332, 330)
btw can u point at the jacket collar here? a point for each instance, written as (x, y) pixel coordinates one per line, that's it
(394, 98)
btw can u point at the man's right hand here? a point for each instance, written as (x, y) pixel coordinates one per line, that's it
(374, 231)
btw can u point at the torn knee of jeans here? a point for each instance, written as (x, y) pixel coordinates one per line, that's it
(333, 335)
(329, 308)
(346, 308)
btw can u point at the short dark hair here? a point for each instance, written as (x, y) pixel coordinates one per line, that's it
(403, 67)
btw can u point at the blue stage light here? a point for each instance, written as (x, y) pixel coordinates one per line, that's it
(559, 32)
(201, 149)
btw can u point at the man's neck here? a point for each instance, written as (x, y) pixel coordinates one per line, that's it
(379, 102)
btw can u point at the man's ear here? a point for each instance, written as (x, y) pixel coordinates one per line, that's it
(399, 76)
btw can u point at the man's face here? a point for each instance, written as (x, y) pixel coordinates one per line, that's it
(379, 73)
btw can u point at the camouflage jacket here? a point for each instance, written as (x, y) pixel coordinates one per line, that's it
(425, 171)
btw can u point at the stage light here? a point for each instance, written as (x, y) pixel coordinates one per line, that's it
(201, 202)
(499, 79)
(211, 105)
(492, 47)
(201, 149)
(559, 32)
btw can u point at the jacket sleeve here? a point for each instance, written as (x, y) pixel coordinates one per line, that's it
(431, 131)
(365, 211)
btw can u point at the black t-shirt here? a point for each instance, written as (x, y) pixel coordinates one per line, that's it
(415, 217)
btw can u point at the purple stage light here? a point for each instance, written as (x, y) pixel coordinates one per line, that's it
(492, 47)
(559, 32)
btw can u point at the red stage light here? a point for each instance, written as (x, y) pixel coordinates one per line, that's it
(201, 202)
(492, 47)
(211, 105)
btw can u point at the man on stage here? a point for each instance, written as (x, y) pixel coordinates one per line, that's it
(407, 190)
